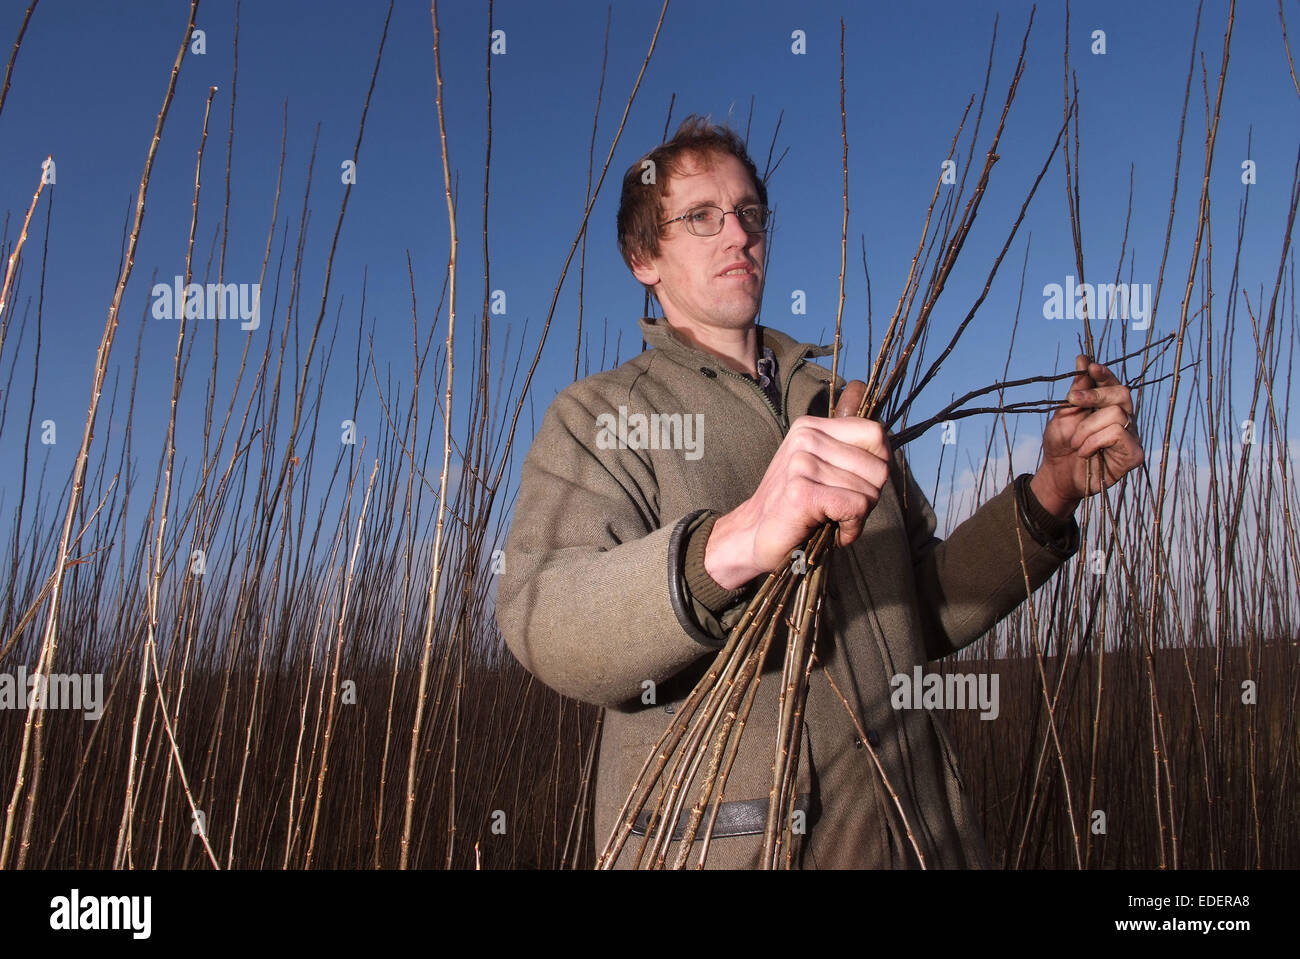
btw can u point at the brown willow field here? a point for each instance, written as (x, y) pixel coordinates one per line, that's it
(331, 690)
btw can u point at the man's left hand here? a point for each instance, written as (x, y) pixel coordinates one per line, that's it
(1100, 419)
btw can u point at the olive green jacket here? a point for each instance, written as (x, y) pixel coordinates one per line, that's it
(604, 598)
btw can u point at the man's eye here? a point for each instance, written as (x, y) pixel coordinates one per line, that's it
(702, 215)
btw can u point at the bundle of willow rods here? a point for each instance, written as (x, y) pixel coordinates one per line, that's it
(718, 707)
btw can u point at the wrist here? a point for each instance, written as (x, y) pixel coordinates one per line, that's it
(1044, 491)
(726, 553)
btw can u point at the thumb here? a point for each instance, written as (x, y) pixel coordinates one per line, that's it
(1082, 379)
(850, 399)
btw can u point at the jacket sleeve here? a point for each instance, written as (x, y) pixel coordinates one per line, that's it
(592, 599)
(968, 582)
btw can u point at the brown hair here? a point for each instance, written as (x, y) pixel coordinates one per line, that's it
(640, 207)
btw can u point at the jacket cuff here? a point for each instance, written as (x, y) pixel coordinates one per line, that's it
(1058, 536)
(677, 591)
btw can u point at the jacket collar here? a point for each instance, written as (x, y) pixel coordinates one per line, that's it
(788, 351)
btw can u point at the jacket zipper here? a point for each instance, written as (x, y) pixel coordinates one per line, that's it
(782, 418)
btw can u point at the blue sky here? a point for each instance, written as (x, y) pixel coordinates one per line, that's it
(90, 78)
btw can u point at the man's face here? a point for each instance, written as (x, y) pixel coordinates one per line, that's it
(708, 281)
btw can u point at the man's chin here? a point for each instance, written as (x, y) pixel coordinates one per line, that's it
(726, 316)
(737, 315)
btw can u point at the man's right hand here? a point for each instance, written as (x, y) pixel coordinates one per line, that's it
(825, 469)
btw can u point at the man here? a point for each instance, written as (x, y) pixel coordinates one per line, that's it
(636, 544)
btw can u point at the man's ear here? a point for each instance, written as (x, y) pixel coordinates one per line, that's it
(645, 272)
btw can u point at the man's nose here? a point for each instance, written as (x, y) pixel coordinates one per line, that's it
(733, 234)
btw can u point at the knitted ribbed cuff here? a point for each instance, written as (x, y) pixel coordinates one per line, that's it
(1061, 535)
